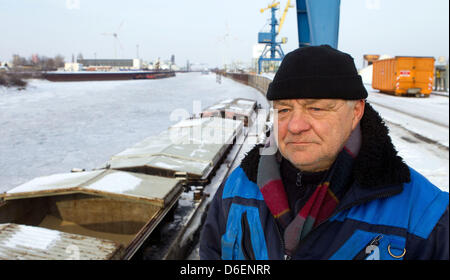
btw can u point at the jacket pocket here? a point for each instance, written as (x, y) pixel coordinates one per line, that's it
(244, 237)
(246, 242)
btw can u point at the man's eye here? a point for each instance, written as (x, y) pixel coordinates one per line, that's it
(285, 110)
(315, 109)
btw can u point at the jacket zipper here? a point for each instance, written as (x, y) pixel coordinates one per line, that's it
(283, 246)
(298, 182)
(363, 253)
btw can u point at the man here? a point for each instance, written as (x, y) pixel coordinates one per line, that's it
(438, 81)
(336, 188)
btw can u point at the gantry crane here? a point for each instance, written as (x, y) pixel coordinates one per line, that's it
(283, 17)
(269, 38)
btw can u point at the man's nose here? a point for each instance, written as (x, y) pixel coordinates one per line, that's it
(298, 123)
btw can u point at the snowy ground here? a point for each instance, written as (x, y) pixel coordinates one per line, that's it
(411, 120)
(419, 130)
(54, 127)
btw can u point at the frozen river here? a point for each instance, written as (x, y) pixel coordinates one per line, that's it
(53, 127)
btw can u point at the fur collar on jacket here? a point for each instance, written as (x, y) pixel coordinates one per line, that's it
(377, 163)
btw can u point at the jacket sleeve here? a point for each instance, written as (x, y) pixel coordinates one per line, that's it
(213, 229)
(436, 246)
(439, 239)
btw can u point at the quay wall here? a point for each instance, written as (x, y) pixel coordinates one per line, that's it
(258, 82)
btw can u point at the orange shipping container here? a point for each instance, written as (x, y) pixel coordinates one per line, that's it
(404, 75)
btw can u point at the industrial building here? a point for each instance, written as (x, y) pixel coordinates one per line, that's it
(104, 64)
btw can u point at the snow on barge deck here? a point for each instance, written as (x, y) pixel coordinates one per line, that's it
(191, 149)
(105, 76)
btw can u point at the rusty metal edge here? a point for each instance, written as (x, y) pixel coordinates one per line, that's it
(145, 232)
(174, 246)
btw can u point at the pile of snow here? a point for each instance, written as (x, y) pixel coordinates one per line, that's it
(366, 73)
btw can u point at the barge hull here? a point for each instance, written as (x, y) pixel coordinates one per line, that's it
(105, 76)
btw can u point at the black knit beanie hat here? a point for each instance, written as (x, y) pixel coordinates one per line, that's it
(317, 72)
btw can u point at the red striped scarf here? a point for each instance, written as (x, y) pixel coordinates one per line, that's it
(318, 207)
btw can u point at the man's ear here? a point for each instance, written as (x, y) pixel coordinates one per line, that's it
(358, 112)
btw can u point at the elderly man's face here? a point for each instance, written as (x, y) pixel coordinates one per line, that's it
(311, 132)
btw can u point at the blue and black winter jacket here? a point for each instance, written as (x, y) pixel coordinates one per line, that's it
(390, 212)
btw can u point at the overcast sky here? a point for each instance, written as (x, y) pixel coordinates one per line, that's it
(210, 31)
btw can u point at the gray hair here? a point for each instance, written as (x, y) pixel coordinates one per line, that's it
(351, 103)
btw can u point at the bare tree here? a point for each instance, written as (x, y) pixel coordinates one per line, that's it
(59, 61)
(19, 61)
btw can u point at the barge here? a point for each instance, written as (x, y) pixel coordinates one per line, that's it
(106, 75)
(102, 214)
(237, 109)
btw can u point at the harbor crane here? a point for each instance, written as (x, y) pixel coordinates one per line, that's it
(273, 47)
